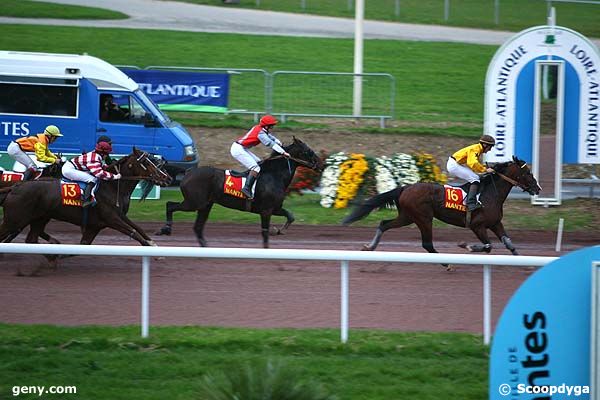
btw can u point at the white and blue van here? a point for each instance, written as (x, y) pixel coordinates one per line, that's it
(40, 89)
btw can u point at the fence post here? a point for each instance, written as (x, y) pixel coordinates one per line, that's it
(487, 304)
(344, 301)
(446, 10)
(496, 12)
(145, 295)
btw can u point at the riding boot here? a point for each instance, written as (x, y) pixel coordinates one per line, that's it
(472, 203)
(87, 195)
(29, 174)
(247, 189)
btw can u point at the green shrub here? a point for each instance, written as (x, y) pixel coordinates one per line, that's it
(261, 380)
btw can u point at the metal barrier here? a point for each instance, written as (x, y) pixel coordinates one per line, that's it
(330, 94)
(302, 93)
(287, 254)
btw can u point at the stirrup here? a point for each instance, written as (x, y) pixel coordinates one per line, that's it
(473, 207)
(247, 193)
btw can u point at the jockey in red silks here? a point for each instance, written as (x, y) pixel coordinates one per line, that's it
(88, 168)
(240, 149)
(466, 164)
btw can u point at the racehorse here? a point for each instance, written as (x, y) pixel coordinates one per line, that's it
(204, 186)
(36, 202)
(421, 202)
(53, 170)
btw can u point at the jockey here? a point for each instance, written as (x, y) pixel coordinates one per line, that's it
(89, 168)
(39, 145)
(240, 149)
(466, 164)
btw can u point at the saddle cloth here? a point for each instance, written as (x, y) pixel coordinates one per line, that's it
(14, 176)
(233, 184)
(456, 198)
(71, 192)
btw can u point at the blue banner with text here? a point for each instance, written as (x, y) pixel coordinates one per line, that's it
(184, 91)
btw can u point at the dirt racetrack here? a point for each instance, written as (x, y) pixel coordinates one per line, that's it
(254, 293)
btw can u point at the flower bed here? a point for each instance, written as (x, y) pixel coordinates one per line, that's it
(346, 176)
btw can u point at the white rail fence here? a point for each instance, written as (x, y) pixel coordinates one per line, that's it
(344, 257)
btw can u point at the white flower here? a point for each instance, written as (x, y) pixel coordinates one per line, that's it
(330, 177)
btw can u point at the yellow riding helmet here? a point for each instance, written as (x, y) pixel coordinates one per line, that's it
(52, 130)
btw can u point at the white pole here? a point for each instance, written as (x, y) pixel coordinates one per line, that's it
(358, 56)
(496, 12)
(344, 301)
(487, 304)
(397, 8)
(559, 234)
(446, 10)
(145, 295)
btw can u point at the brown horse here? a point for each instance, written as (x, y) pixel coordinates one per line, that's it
(50, 171)
(35, 203)
(54, 170)
(202, 187)
(421, 202)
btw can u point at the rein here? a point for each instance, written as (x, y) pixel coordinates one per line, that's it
(299, 161)
(509, 180)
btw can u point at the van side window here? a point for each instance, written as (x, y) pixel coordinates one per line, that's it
(121, 108)
(19, 98)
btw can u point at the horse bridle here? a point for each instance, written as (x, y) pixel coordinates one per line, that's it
(141, 160)
(512, 181)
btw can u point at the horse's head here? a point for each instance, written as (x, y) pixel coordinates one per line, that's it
(518, 171)
(300, 151)
(144, 166)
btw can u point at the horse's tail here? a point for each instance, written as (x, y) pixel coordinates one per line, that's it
(361, 211)
(3, 193)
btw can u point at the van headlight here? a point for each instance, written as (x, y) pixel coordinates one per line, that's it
(189, 153)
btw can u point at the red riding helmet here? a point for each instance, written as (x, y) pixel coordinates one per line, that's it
(268, 120)
(103, 148)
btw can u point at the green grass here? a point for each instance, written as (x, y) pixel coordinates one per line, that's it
(514, 15)
(40, 9)
(429, 88)
(518, 214)
(114, 363)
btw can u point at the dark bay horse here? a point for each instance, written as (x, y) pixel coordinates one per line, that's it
(35, 203)
(50, 171)
(202, 187)
(421, 202)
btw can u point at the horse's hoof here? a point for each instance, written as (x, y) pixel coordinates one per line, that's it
(366, 247)
(449, 268)
(53, 241)
(163, 231)
(275, 231)
(464, 245)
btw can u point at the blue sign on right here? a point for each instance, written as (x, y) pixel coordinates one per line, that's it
(541, 346)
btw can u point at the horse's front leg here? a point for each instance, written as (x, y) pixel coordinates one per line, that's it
(138, 229)
(290, 219)
(481, 233)
(499, 231)
(119, 225)
(265, 222)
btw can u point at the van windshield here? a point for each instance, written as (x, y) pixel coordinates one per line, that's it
(152, 107)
